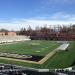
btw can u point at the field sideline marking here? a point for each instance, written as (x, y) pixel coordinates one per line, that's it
(49, 55)
(34, 62)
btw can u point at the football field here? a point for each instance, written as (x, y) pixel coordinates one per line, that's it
(40, 48)
(61, 59)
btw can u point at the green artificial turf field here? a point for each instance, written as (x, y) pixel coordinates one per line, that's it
(61, 59)
(39, 48)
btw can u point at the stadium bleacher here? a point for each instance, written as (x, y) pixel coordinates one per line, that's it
(9, 39)
(8, 69)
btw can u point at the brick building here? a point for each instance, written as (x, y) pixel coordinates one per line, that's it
(8, 33)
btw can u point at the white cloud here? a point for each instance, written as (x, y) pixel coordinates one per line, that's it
(58, 16)
(63, 16)
(55, 19)
(32, 23)
(61, 1)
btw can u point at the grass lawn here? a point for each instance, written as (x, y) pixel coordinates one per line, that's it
(59, 60)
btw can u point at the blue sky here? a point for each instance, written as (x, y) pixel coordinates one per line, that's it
(15, 14)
